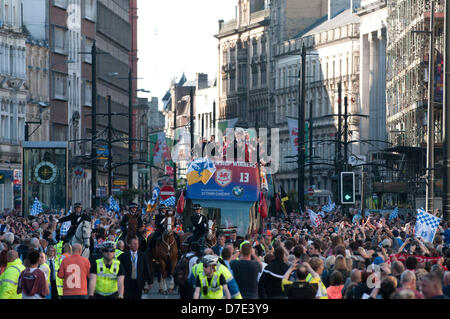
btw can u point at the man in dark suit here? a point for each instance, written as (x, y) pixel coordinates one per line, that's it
(217, 249)
(137, 271)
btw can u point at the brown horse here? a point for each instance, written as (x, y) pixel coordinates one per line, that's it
(165, 252)
(132, 232)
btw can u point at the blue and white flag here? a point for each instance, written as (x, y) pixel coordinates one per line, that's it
(170, 202)
(356, 218)
(330, 206)
(316, 220)
(65, 226)
(36, 209)
(113, 205)
(426, 225)
(394, 214)
(155, 195)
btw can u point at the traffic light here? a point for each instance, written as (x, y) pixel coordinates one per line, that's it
(347, 187)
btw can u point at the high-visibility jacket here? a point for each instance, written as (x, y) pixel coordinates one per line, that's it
(59, 249)
(214, 289)
(106, 283)
(197, 269)
(60, 281)
(242, 244)
(117, 253)
(9, 280)
(322, 290)
(116, 240)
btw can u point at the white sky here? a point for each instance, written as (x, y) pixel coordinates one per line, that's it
(176, 36)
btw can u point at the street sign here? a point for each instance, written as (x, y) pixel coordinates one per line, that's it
(310, 191)
(167, 191)
(347, 187)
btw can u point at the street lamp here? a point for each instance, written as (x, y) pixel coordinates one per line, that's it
(42, 106)
(130, 122)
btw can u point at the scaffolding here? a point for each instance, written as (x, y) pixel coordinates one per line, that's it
(407, 88)
(407, 71)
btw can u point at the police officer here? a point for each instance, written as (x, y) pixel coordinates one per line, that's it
(159, 217)
(107, 275)
(133, 210)
(210, 283)
(199, 224)
(75, 218)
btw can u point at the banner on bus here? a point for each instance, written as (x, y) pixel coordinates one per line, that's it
(231, 181)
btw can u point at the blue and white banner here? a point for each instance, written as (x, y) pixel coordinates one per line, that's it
(356, 218)
(113, 205)
(329, 207)
(316, 220)
(65, 226)
(394, 214)
(426, 225)
(155, 196)
(170, 202)
(36, 209)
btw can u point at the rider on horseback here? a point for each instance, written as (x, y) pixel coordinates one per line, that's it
(75, 218)
(199, 223)
(159, 226)
(133, 211)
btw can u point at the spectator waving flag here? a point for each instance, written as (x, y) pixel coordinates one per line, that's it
(170, 202)
(357, 218)
(426, 225)
(330, 206)
(36, 209)
(113, 205)
(316, 220)
(394, 214)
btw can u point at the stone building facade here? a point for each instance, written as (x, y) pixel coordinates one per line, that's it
(13, 100)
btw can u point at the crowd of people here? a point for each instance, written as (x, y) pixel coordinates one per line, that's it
(342, 258)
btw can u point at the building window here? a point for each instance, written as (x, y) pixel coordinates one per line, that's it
(60, 3)
(254, 77)
(87, 47)
(243, 76)
(87, 93)
(90, 9)
(59, 40)
(232, 81)
(59, 86)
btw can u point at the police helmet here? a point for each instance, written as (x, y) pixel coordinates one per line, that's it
(197, 206)
(76, 205)
(133, 205)
(209, 260)
(108, 246)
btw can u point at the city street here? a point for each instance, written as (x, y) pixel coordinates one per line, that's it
(253, 149)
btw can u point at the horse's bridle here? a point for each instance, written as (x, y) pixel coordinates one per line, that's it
(82, 239)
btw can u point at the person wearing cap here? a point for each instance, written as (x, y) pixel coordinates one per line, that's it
(133, 210)
(198, 223)
(107, 275)
(159, 218)
(75, 218)
(211, 284)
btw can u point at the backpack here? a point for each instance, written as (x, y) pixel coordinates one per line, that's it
(181, 271)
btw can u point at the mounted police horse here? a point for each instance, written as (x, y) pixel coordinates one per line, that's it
(165, 252)
(208, 240)
(133, 232)
(83, 236)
